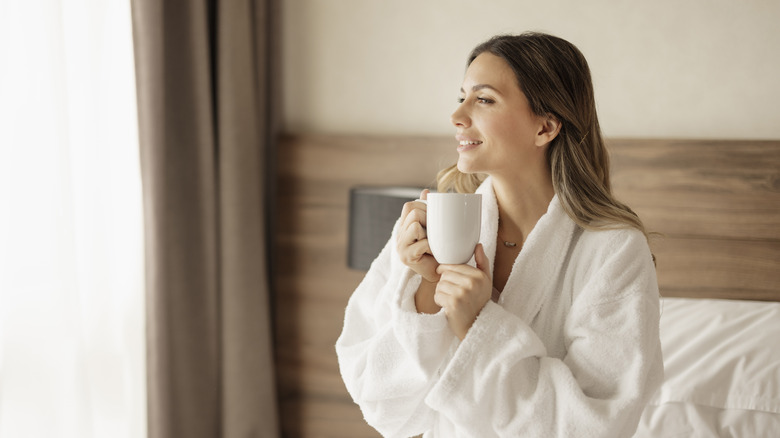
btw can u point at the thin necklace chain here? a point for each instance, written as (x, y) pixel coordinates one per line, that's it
(506, 243)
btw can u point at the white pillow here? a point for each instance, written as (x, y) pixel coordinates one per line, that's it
(722, 370)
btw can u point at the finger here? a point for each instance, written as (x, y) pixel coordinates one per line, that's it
(483, 264)
(408, 207)
(413, 205)
(463, 269)
(447, 294)
(417, 213)
(408, 235)
(447, 284)
(424, 194)
(419, 249)
(441, 299)
(427, 268)
(457, 284)
(405, 240)
(411, 233)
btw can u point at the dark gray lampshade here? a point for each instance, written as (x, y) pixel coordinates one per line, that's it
(372, 213)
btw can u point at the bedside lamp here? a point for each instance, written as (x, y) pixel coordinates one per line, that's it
(373, 211)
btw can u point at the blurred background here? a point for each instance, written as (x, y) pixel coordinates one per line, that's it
(660, 69)
(73, 316)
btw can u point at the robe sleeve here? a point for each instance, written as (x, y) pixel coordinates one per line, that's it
(389, 355)
(501, 381)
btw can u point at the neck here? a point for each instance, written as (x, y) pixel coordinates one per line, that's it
(520, 204)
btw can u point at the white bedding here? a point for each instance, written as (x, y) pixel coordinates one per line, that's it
(722, 365)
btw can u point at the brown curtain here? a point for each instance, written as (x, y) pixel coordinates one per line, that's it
(206, 130)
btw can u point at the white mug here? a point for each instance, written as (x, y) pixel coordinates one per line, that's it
(453, 225)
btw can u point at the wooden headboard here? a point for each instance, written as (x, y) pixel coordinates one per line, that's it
(716, 203)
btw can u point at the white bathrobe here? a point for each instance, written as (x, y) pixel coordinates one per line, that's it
(571, 348)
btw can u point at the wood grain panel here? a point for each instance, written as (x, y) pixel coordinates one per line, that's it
(326, 418)
(313, 282)
(711, 189)
(713, 268)
(345, 161)
(716, 202)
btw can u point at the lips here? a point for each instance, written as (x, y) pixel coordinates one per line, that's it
(465, 144)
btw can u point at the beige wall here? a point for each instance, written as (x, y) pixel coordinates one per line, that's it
(662, 68)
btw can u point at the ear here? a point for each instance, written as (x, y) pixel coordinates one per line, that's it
(549, 127)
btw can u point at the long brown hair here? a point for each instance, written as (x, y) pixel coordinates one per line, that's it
(555, 78)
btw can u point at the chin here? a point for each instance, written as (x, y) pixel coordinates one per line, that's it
(468, 166)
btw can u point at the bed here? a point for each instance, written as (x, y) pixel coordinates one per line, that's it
(715, 202)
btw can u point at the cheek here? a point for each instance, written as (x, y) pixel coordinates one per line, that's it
(515, 130)
(499, 129)
(509, 133)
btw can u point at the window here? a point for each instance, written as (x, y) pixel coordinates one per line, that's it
(71, 249)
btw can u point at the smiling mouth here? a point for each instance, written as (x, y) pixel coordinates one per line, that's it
(467, 145)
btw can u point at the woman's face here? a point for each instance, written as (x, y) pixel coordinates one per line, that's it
(496, 129)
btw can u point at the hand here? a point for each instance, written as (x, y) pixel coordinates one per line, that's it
(463, 291)
(413, 240)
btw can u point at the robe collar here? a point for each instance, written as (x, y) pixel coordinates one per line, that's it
(537, 270)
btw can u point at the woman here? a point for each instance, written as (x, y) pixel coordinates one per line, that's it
(553, 330)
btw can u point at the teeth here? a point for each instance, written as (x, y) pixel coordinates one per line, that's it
(465, 142)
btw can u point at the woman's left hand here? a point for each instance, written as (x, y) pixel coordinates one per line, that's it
(463, 291)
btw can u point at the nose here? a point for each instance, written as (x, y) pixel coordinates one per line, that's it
(460, 117)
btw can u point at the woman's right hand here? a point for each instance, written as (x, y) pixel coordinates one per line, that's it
(413, 240)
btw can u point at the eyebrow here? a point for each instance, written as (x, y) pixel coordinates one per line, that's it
(480, 87)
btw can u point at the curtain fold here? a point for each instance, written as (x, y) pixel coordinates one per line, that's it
(203, 72)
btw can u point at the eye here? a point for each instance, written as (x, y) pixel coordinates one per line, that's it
(460, 100)
(485, 100)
